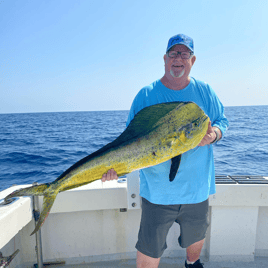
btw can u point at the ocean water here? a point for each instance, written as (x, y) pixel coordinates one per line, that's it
(38, 147)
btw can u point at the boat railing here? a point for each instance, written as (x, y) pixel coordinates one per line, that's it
(238, 221)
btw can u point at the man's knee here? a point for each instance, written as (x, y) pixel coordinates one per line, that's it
(146, 261)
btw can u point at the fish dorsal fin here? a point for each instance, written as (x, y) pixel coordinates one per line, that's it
(143, 122)
(175, 164)
(146, 120)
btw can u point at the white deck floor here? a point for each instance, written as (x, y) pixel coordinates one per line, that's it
(259, 262)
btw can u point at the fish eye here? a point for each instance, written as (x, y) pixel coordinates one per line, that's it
(195, 123)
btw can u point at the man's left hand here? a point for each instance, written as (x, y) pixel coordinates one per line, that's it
(209, 137)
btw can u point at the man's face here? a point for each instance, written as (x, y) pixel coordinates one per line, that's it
(177, 67)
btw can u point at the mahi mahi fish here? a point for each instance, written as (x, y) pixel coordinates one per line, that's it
(156, 134)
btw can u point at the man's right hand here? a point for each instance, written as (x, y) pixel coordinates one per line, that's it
(109, 176)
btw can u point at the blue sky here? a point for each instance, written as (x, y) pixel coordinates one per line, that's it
(97, 54)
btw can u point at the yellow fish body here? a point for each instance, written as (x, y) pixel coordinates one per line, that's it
(156, 134)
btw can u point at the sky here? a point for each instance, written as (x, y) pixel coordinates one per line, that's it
(94, 55)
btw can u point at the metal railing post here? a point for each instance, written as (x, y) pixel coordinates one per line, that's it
(36, 213)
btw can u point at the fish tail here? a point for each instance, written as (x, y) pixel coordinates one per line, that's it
(48, 190)
(48, 201)
(29, 191)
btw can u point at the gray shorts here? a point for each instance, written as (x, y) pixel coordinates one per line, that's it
(156, 221)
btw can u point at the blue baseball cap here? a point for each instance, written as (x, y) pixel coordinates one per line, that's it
(181, 39)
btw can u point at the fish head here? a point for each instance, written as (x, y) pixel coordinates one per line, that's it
(197, 127)
(194, 126)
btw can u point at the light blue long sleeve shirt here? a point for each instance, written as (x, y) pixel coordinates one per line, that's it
(195, 179)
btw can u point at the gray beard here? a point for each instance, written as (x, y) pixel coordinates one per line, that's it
(178, 76)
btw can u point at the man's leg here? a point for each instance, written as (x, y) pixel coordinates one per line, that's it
(156, 221)
(193, 220)
(193, 251)
(144, 261)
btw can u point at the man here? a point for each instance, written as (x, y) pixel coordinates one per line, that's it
(185, 200)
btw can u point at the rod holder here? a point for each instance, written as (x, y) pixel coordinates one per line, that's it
(5, 261)
(5, 202)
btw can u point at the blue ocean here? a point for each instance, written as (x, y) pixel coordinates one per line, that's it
(38, 147)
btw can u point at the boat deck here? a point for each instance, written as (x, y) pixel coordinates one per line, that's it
(259, 262)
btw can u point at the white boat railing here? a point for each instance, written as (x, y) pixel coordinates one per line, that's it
(87, 224)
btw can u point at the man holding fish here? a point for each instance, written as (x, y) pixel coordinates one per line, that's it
(183, 199)
(171, 126)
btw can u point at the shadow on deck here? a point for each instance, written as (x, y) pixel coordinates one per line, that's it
(259, 262)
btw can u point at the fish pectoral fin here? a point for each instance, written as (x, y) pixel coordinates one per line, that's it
(48, 201)
(175, 164)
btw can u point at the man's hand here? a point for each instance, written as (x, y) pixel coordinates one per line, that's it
(110, 175)
(210, 136)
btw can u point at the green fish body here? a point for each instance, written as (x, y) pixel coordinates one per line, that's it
(156, 134)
